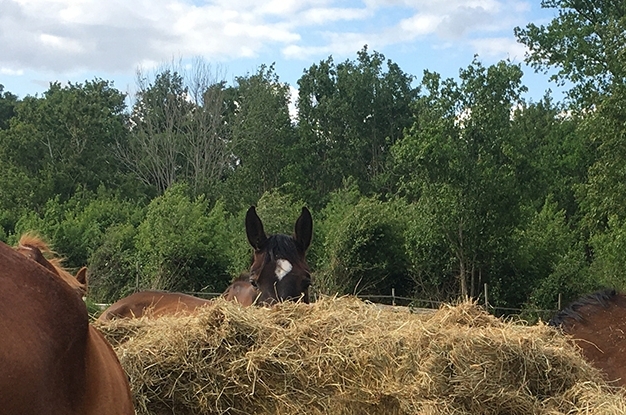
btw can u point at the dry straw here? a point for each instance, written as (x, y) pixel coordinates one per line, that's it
(344, 356)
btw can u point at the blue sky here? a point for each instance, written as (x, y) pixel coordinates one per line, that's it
(76, 40)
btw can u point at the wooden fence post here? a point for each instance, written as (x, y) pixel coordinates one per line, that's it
(486, 298)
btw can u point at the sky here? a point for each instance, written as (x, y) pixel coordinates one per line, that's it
(43, 41)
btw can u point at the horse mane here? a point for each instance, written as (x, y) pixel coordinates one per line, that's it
(600, 298)
(30, 240)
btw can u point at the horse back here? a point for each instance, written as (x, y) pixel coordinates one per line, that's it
(45, 345)
(43, 330)
(241, 291)
(597, 324)
(152, 303)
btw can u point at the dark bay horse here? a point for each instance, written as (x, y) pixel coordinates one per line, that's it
(279, 272)
(597, 323)
(279, 269)
(52, 360)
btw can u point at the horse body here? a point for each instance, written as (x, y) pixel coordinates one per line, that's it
(597, 324)
(153, 303)
(53, 361)
(279, 272)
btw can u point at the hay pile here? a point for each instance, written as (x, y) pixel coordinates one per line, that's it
(343, 356)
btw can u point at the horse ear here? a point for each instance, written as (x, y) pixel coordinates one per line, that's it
(254, 229)
(81, 276)
(304, 229)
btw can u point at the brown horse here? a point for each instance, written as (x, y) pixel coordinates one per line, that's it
(152, 303)
(53, 360)
(33, 247)
(597, 323)
(279, 272)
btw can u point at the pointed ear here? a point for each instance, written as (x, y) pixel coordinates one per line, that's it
(304, 230)
(254, 229)
(81, 276)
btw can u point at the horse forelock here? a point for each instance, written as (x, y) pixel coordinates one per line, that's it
(281, 247)
(572, 312)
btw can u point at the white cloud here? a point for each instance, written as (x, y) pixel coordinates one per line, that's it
(499, 48)
(10, 72)
(62, 36)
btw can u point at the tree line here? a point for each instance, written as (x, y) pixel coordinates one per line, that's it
(430, 186)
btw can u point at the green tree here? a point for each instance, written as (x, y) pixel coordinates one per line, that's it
(552, 156)
(182, 244)
(349, 115)
(7, 107)
(63, 141)
(457, 160)
(363, 246)
(586, 43)
(77, 227)
(261, 133)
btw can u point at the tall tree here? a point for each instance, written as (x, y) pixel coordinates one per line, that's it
(177, 129)
(261, 132)
(349, 115)
(586, 43)
(7, 107)
(456, 161)
(65, 140)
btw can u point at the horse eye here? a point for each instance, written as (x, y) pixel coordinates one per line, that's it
(253, 282)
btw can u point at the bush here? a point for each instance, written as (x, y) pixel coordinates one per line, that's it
(182, 245)
(364, 247)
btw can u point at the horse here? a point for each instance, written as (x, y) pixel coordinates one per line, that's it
(279, 269)
(597, 324)
(242, 291)
(33, 247)
(53, 360)
(152, 303)
(279, 272)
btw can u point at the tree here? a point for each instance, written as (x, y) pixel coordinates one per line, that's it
(349, 115)
(63, 141)
(552, 155)
(585, 43)
(182, 244)
(7, 107)
(457, 162)
(363, 246)
(177, 130)
(261, 133)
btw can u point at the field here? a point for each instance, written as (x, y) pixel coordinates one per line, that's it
(346, 356)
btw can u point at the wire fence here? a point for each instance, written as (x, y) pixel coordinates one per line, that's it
(421, 303)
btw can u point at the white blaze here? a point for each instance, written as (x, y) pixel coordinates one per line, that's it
(283, 267)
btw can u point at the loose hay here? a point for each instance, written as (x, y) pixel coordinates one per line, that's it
(344, 356)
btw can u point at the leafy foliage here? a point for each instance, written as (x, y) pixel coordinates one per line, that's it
(181, 244)
(364, 248)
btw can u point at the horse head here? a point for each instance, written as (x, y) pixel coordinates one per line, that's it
(279, 269)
